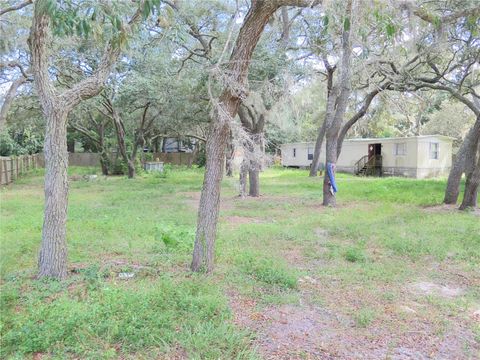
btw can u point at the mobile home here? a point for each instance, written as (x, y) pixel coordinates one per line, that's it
(417, 156)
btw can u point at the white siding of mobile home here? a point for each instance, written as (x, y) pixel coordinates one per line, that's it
(427, 166)
(415, 162)
(300, 158)
(403, 164)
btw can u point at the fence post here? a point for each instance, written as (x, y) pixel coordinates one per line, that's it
(1, 173)
(5, 168)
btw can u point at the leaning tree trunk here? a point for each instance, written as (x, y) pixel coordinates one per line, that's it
(243, 179)
(255, 166)
(254, 180)
(122, 146)
(329, 198)
(8, 99)
(471, 185)
(471, 189)
(203, 252)
(53, 254)
(333, 126)
(467, 150)
(247, 39)
(104, 162)
(104, 159)
(229, 157)
(317, 150)
(56, 106)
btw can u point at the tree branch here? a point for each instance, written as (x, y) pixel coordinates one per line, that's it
(15, 7)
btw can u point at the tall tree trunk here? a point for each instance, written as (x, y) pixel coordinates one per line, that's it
(8, 99)
(247, 39)
(52, 261)
(243, 178)
(229, 157)
(104, 161)
(252, 114)
(254, 167)
(122, 146)
(473, 179)
(131, 172)
(203, 252)
(56, 106)
(329, 113)
(254, 181)
(318, 150)
(360, 113)
(333, 127)
(467, 150)
(471, 188)
(329, 198)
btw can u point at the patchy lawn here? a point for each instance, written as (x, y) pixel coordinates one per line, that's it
(390, 273)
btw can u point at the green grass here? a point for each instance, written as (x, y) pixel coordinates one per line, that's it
(364, 317)
(379, 236)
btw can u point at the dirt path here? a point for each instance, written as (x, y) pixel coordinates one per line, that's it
(420, 323)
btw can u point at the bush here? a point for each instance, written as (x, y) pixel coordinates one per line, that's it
(201, 158)
(20, 143)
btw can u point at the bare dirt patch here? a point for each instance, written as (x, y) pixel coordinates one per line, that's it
(238, 220)
(405, 327)
(449, 209)
(312, 332)
(192, 199)
(429, 288)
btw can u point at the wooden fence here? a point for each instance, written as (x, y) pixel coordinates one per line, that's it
(176, 158)
(12, 167)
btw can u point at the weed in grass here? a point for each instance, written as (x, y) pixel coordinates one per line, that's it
(174, 238)
(364, 317)
(160, 314)
(268, 270)
(355, 254)
(149, 222)
(476, 332)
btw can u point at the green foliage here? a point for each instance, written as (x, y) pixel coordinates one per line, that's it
(364, 317)
(346, 24)
(175, 238)
(122, 321)
(268, 270)
(120, 225)
(20, 143)
(355, 254)
(201, 158)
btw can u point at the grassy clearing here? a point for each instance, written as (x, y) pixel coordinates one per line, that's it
(362, 254)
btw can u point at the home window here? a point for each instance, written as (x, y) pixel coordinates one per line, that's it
(434, 150)
(310, 154)
(294, 152)
(399, 149)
